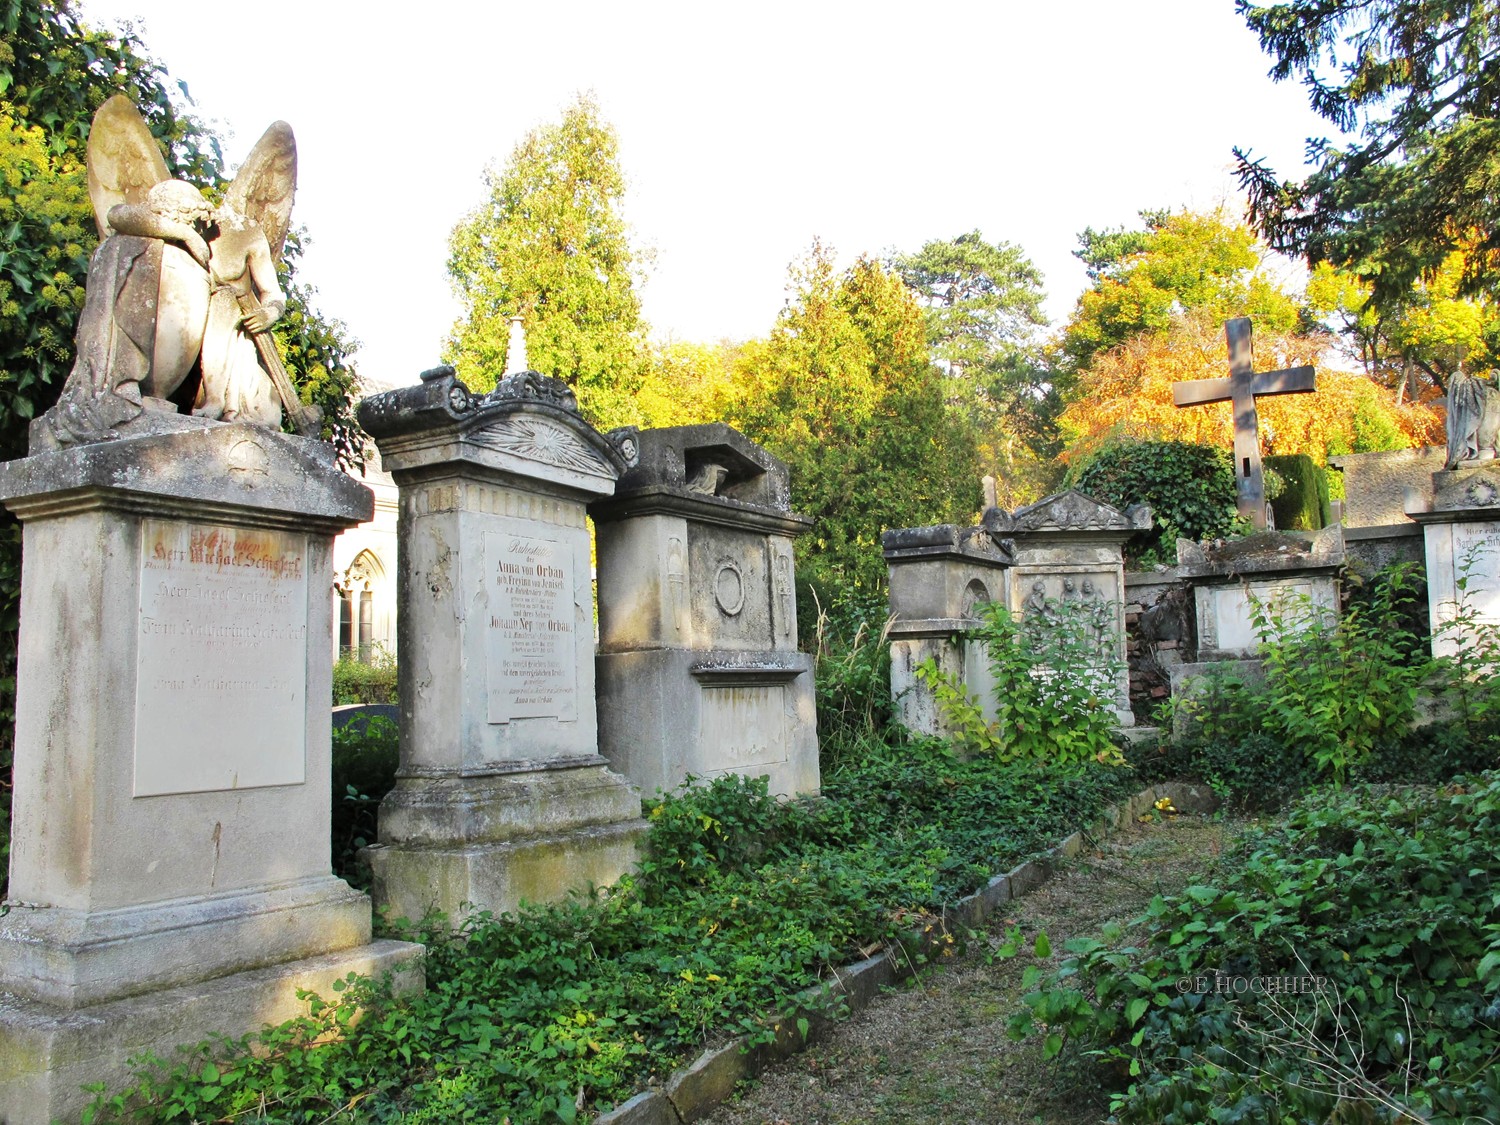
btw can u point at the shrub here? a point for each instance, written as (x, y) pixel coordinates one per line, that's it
(1054, 685)
(852, 668)
(1303, 502)
(355, 681)
(1190, 489)
(1333, 691)
(365, 758)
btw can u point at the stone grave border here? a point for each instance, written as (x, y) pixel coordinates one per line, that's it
(693, 1092)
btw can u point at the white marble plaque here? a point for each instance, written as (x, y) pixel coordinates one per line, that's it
(531, 643)
(742, 727)
(221, 659)
(1476, 561)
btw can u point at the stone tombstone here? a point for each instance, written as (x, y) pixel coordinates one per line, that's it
(1070, 548)
(1460, 520)
(1277, 569)
(698, 666)
(169, 871)
(939, 576)
(169, 867)
(502, 795)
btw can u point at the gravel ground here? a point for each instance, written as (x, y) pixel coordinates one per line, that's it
(936, 1050)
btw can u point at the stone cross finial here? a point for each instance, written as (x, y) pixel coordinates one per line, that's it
(1242, 388)
(515, 355)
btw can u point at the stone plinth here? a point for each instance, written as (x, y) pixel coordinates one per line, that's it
(1070, 548)
(698, 666)
(1283, 571)
(170, 874)
(1460, 520)
(938, 577)
(502, 794)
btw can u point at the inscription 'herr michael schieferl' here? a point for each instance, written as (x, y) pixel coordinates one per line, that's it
(222, 659)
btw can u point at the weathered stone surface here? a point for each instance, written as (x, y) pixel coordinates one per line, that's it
(1279, 569)
(1377, 485)
(1461, 537)
(708, 1080)
(170, 869)
(502, 793)
(698, 667)
(47, 1054)
(651, 1107)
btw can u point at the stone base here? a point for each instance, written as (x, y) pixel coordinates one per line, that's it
(73, 958)
(47, 1054)
(667, 713)
(413, 880)
(489, 841)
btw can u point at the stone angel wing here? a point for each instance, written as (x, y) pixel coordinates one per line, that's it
(263, 187)
(124, 160)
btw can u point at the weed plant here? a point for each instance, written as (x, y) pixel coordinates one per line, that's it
(1382, 906)
(852, 672)
(741, 902)
(1054, 678)
(1340, 699)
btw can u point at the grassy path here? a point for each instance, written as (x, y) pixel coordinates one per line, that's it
(936, 1051)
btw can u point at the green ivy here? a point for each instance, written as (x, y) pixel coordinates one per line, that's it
(740, 902)
(1190, 489)
(1384, 907)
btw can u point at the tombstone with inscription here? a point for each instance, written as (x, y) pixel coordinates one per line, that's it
(170, 869)
(1460, 520)
(502, 795)
(699, 671)
(1070, 548)
(939, 576)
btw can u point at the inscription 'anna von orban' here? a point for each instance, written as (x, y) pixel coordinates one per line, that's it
(531, 640)
(221, 659)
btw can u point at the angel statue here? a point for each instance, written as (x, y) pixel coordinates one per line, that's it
(1473, 419)
(173, 280)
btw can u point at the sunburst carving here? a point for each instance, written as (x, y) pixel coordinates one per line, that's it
(538, 440)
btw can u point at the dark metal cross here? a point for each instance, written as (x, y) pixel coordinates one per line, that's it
(1242, 388)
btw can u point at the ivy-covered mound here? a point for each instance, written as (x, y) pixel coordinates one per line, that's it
(1351, 955)
(742, 902)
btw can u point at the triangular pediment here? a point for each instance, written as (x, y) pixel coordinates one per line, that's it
(1073, 511)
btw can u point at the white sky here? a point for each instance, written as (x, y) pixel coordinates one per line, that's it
(745, 131)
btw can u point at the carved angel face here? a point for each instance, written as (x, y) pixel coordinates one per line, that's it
(180, 200)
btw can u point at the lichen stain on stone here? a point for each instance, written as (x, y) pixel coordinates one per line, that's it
(439, 575)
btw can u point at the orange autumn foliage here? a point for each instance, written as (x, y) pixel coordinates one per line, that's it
(1127, 393)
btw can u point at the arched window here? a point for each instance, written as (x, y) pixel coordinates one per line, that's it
(357, 607)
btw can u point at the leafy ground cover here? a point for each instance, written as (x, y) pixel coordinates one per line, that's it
(1344, 965)
(741, 902)
(936, 1049)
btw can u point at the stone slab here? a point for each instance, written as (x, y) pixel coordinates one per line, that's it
(411, 881)
(650, 1107)
(709, 1080)
(47, 1055)
(1376, 485)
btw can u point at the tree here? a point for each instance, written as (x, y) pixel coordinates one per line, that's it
(1418, 83)
(1130, 397)
(844, 391)
(1412, 347)
(548, 244)
(983, 305)
(1182, 261)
